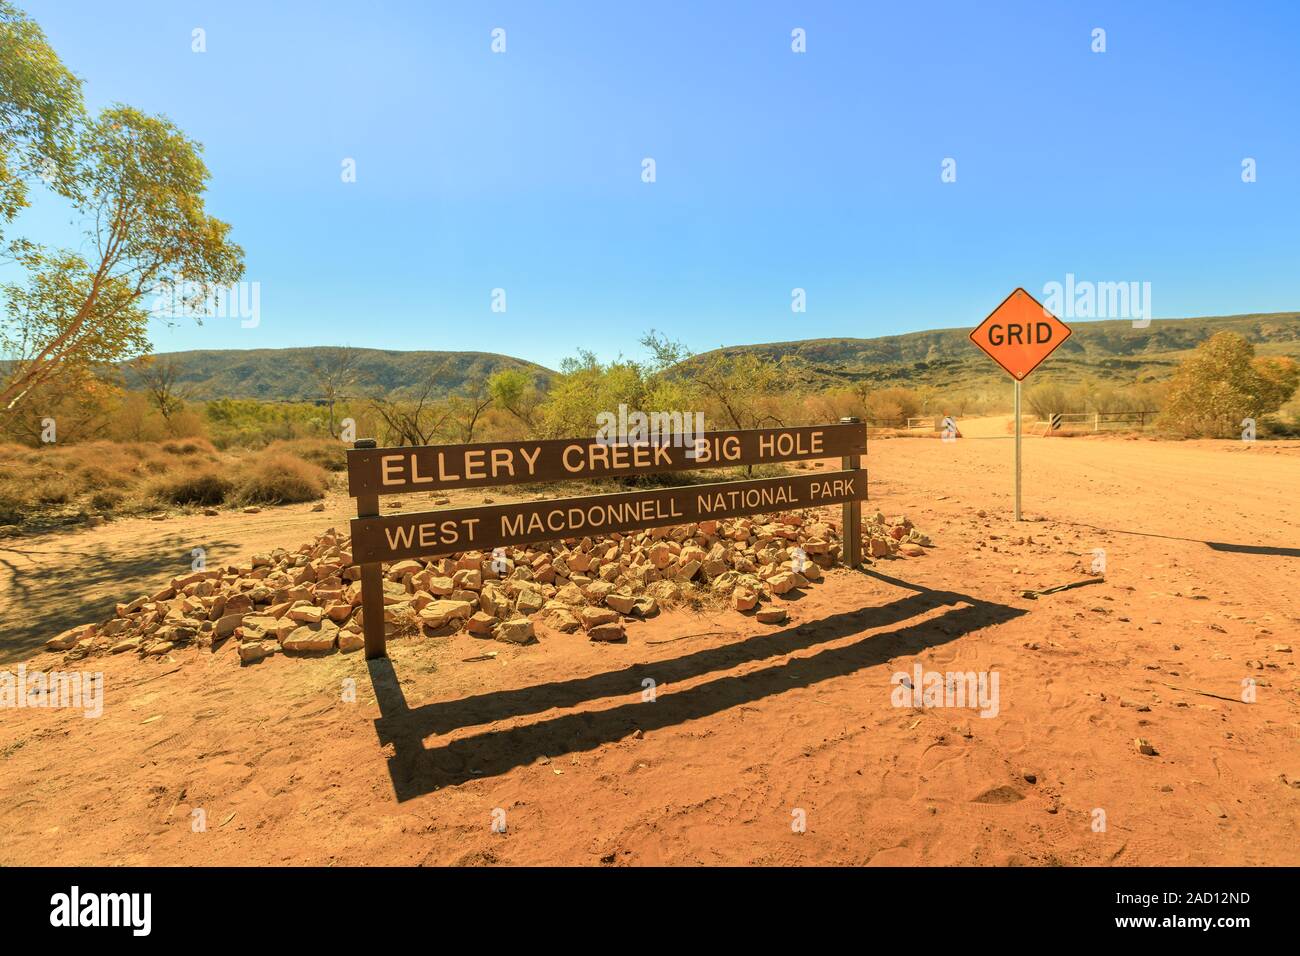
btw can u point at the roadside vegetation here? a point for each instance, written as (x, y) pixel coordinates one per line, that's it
(120, 452)
(1223, 387)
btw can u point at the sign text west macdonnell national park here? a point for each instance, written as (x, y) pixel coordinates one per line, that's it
(461, 529)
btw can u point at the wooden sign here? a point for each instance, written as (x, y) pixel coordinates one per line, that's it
(379, 471)
(433, 533)
(384, 471)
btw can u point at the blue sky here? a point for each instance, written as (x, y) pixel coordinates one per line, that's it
(775, 170)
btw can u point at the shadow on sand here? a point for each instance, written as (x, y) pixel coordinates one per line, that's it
(416, 769)
(40, 603)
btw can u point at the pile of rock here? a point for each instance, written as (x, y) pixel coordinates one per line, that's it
(309, 600)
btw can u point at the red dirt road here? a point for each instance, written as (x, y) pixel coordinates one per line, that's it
(752, 728)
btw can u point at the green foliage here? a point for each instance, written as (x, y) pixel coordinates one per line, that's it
(247, 423)
(518, 394)
(738, 389)
(969, 384)
(52, 308)
(1222, 384)
(40, 107)
(587, 387)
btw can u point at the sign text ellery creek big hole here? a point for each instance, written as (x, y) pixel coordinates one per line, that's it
(440, 467)
(379, 471)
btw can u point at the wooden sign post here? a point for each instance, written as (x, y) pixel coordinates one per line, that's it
(372, 575)
(851, 522)
(1019, 334)
(376, 471)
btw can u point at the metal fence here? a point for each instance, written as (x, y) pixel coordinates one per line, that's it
(1096, 421)
(930, 423)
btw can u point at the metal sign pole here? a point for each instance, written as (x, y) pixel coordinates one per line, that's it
(1017, 449)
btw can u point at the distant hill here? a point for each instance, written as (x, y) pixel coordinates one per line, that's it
(289, 374)
(1108, 350)
(943, 358)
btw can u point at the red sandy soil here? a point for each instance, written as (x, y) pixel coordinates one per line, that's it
(751, 723)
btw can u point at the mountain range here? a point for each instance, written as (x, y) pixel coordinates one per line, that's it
(1110, 350)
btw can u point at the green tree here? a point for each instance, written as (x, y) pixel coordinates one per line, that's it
(586, 387)
(1222, 383)
(742, 390)
(514, 391)
(733, 389)
(137, 183)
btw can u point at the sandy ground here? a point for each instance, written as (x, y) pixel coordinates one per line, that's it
(751, 729)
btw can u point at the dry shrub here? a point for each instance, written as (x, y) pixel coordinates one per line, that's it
(894, 404)
(107, 500)
(16, 502)
(56, 492)
(102, 476)
(405, 622)
(277, 478)
(189, 446)
(199, 487)
(328, 454)
(94, 477)
(109, 478)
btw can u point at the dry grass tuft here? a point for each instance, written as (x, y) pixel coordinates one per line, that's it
(278, 478)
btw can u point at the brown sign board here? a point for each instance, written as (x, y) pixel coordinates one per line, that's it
(433, 533)
(383, 471)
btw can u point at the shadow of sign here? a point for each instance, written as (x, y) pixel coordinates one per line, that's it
(1224, 546)
(1254, 549)
(416, 769)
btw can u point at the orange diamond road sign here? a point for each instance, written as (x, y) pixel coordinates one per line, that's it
(1020, 334)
